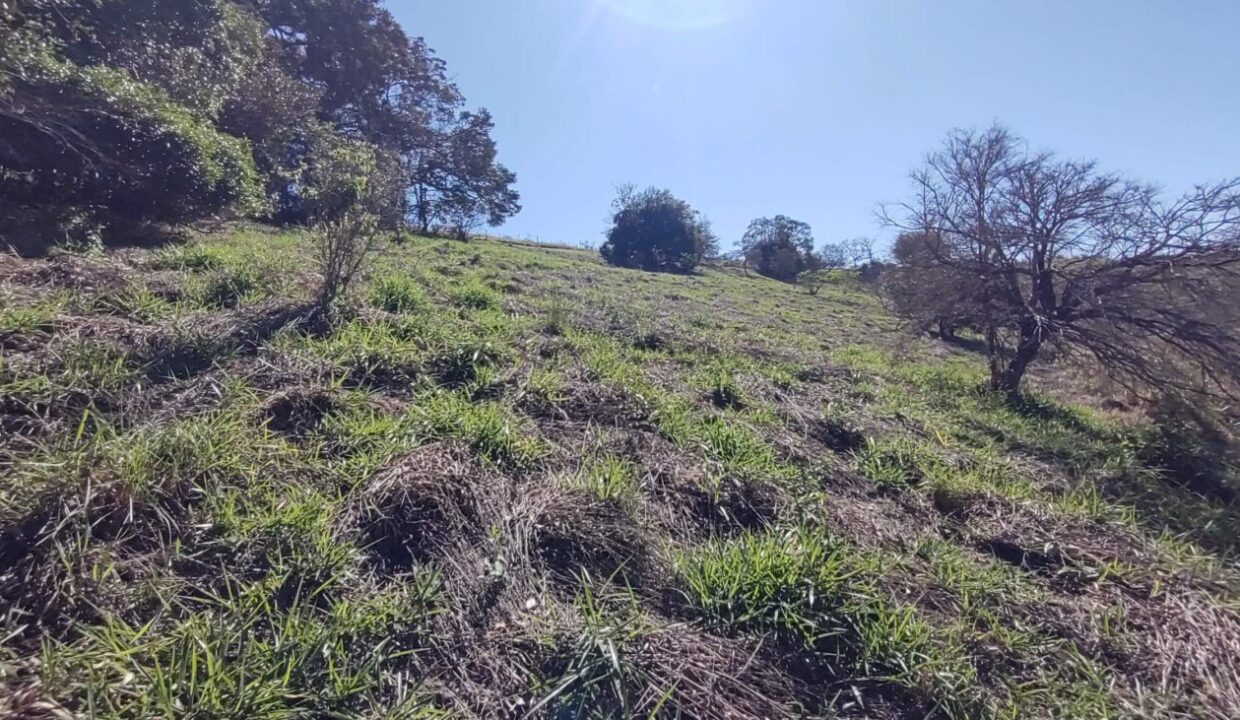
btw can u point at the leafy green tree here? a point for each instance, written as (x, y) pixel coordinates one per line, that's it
(457, 181)
(654, 230)
(778, 247)
(105, 121)
(123, 111)
(375, 84)
(373, 77)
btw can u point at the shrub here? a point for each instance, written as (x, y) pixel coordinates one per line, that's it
(342, 247)
(654, 230)
(133, 154)
(398, 294)
(473, 293)
(778, 247)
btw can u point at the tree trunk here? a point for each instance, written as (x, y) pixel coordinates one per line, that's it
(1006, 378)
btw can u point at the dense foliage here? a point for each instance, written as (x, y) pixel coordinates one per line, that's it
(654, 230)
(779, 247)
(115, 112)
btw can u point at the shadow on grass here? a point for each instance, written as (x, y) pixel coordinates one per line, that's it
(1179, 475)
(976, 346)
(1192, 487)
(1036, 408)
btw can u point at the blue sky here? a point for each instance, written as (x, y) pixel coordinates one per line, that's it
(818, 109)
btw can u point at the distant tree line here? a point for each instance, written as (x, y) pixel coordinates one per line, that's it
(652, 229)
(121, 112)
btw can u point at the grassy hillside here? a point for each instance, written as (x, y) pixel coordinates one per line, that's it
(514, 482)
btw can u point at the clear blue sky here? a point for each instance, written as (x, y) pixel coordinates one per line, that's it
(818, 109)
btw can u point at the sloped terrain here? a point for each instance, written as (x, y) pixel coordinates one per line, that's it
(513, 482)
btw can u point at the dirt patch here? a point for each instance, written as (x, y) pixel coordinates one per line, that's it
(1174, 654)
(836, 435)
(421, 505)
(194, 345)
(298, 411)
(573, 533)
(687, 501)
(1070, 552)
(87, 274)
(873, 517)
(589, 403)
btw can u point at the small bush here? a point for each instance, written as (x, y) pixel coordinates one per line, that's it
(342, 248)
(557, 316)
(474, 294)
(397, 294)
(228, 288)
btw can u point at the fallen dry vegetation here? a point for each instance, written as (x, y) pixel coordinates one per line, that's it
(512, 482)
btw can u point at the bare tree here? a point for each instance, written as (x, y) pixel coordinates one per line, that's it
(1043, 250)
(859, 250)
(832, 256)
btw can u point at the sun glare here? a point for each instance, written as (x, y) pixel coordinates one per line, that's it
(679, 14)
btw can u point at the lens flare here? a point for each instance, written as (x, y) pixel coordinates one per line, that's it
(679, 14)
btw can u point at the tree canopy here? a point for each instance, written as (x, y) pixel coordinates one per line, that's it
(779, 247)
(171, 110)
(654, 230)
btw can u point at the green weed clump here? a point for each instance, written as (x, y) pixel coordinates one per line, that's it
(597, 673)
(192, 258)
(723, 389)
(227, 287)
(898, 463)
(138, 304)
(39, 317)
(813, 595)
(474, 294)
(737, 448)
(792, 587)
(608, 479)
(398, 293)
(238, 654)
(490, 430)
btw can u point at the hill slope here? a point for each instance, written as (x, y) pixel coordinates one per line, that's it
(517, 483)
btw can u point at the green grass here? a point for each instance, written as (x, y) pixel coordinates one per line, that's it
(636, 485)
(236, 655)
(899, 463)
(808, 593)
(398, 294)
(474, 294)
(609, 479)
(489, 428)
